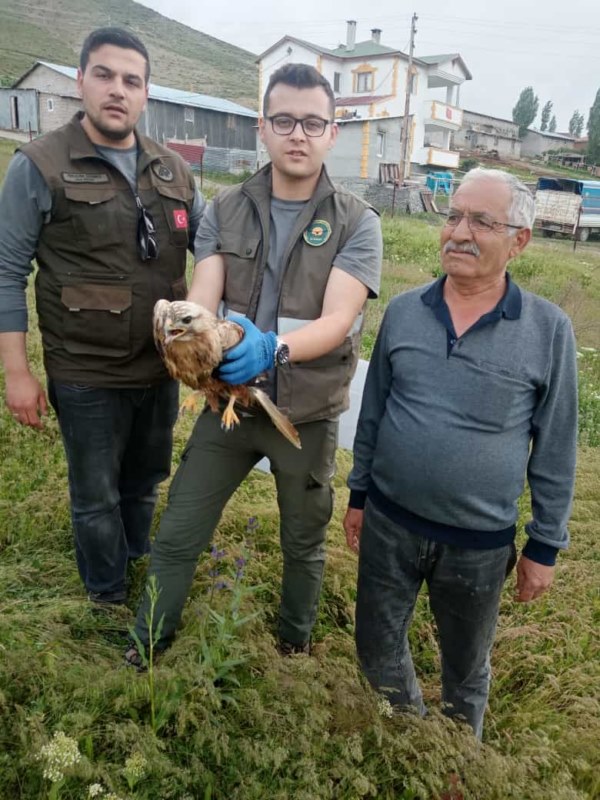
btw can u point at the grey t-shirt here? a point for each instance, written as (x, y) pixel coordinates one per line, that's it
(360, 256)
(25, 207)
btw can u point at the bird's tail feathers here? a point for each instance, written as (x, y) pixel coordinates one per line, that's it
(280, 421)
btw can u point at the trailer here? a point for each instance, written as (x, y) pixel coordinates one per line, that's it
(568, 206)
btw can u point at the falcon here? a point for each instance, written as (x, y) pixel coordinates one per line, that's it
(191, 341)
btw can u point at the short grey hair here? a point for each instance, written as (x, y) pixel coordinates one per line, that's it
(522, 207)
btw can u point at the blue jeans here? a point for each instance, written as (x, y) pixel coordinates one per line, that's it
(118, 444)
(464, 596)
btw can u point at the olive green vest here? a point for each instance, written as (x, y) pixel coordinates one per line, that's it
(310, 390)
(95, 296)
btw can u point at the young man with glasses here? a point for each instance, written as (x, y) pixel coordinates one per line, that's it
(294, 257)
(109, 215)
(472, 385)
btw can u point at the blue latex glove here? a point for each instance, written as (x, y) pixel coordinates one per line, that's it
(253, 355)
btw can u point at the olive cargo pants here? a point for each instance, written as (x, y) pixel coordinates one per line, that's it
(213, 465)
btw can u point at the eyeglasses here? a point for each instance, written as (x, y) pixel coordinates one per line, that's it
(477, 223)
(146, 233)
(284, 124)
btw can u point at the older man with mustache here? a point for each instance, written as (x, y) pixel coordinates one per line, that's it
(472, 386)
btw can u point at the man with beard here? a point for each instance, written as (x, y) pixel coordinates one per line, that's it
(109, 215)
(472, 386)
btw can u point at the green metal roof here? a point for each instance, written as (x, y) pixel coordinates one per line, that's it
(363, 50)
(439, 59)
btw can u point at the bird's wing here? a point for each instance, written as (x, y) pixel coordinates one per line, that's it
(230, 333)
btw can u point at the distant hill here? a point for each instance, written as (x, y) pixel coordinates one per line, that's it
(53, 30)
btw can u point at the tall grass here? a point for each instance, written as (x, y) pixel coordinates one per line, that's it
(236, 720)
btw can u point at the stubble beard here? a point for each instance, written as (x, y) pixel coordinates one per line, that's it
(115, 135)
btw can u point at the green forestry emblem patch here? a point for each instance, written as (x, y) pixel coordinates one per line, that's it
(317, 233)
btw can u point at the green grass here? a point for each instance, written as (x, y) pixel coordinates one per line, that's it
(233, 720)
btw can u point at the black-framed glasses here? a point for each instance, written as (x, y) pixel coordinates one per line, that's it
(284, 124)
(146, 233)
(478, 223)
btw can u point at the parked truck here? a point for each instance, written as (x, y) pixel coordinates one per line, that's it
(568, 206)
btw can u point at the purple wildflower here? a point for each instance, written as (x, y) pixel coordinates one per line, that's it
(216, 553)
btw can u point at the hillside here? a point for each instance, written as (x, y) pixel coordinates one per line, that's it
(181, 57)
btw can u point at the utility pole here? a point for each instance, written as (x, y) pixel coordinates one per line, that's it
(409, 83)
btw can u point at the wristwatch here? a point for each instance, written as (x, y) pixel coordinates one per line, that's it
(282, 353)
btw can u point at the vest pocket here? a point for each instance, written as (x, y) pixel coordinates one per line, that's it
(97, 319)
(94, 215)
(317, 389)
(177, 202)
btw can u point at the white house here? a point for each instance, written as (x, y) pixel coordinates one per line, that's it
(370, 80)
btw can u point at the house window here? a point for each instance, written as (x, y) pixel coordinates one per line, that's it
(381, 144)
(364, 82)
(337, 80)
(188, 114)
(50, 105)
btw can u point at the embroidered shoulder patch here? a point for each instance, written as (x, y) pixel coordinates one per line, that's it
(85, 177)
(317, 233)
(162, 171)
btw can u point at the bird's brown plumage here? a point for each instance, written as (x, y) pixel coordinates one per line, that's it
(191, 341)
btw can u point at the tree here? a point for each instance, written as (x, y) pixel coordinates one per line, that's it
(593, 129)
(546, 111)
(576, 124)
(552, 126)
(525, 110)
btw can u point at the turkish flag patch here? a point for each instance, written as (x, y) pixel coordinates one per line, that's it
(180, 218)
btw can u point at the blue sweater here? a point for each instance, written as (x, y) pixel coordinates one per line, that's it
(450, 427)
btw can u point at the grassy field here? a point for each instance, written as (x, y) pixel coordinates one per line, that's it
(233, 720)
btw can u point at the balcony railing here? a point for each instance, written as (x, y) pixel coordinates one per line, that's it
(442, 115)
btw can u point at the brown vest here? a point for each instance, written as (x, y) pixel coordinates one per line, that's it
(310, 390)
(94, 294)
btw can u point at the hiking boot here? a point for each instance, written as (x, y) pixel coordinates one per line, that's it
(134, 659)
(108, 598)
(290, 649)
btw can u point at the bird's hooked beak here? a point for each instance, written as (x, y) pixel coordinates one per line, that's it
(172, 332)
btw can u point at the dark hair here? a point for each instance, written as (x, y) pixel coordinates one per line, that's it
(300, 76)
(117, 37)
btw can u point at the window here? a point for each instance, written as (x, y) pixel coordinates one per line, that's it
(50, 105)
(364, 82)
(188, 114)
(381, 143)
(337, 81)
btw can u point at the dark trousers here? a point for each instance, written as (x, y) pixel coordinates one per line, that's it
(118, 444)
(464, 596)
(213, 465)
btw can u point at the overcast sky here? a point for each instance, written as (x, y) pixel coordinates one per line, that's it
(552, 45)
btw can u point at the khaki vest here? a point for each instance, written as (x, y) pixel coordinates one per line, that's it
(94, 294)
(311, 390)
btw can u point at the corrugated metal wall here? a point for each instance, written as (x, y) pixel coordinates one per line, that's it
(162, 121)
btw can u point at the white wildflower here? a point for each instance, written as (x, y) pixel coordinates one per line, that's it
(95, 790)
(59, 755)
(136, 767)
(384, 706)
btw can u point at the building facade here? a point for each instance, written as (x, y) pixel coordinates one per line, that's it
(536, 143)
(370, 82)
(485, 134)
